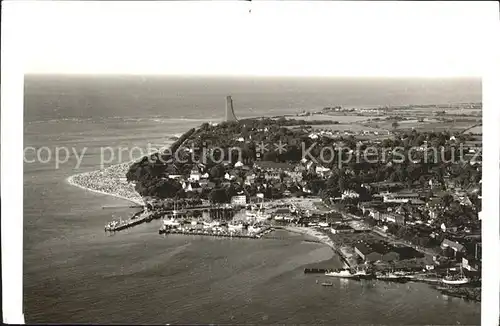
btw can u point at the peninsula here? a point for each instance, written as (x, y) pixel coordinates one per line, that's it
(420, 215)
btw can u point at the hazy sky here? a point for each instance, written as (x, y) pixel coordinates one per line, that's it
(281, 38)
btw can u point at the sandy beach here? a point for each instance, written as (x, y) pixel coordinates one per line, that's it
(110, 181)
(321, 237)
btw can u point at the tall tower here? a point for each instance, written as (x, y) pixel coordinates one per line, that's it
(230, 116)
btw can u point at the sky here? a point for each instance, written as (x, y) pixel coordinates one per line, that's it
(252, 38)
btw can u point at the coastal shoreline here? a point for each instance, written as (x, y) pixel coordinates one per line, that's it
(72, 180)
(321, 238)
(119, 173)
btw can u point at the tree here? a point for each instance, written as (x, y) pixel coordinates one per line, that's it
(218, 195)
(395, 125)
(217, 171)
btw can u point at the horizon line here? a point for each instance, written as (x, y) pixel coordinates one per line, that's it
(146, 74)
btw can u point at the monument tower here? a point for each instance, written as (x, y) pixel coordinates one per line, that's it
(230, 116)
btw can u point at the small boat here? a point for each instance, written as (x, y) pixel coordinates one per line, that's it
(459, 279)
(363, 274)
(327, 284)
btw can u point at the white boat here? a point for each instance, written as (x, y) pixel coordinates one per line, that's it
(171, 223)
(392, 277)
(343, 274)
(361, 273)
(459, 279)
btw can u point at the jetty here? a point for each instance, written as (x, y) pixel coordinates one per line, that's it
(315, 270)
(138, 218)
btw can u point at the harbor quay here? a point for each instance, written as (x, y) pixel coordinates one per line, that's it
(217, 232)
(145, 215)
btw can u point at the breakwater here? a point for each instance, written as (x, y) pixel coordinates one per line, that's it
(137, 219)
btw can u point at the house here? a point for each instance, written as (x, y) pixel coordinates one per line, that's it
(273, 166)
(376, 251)
(196, 186)
(349, 194)
(341, 228)
(471, 264)
(195, 175)
(191, 186)
(250, 178)
(272, 175)
(282, 213)
(240, 200)
(452, 247)
(366, 253)
(322, 171)
(394, 218)
(400, 197)
(374, 213)
(228, 176)
(296, 176)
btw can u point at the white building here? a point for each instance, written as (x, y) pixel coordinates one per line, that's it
(322, 170)
(227, 176)
(239, 200)
(399, 198)
(195, 175)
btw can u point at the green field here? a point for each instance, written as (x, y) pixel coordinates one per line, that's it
(339, 118)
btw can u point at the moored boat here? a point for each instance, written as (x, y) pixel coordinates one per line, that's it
(344, 273)
(391, 277)
(458, 279)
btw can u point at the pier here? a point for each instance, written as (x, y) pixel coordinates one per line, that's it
(138, 218)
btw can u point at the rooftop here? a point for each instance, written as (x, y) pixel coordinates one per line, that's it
(378, 247)
(265, 165)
